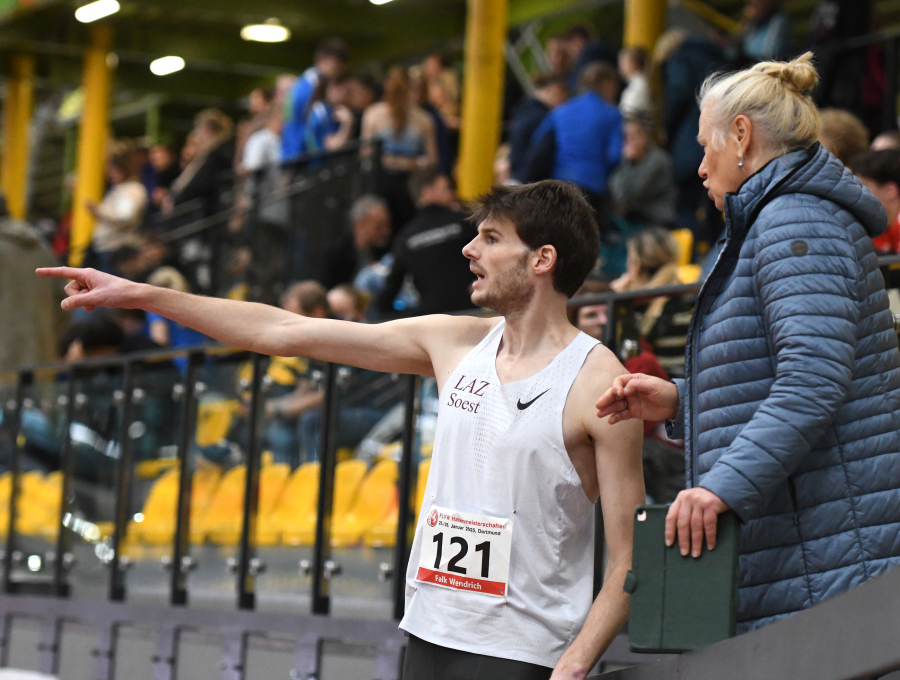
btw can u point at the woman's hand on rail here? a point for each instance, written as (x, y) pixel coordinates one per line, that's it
(638, 396)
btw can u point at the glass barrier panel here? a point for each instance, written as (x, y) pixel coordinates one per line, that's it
(218, 465)
(8, 406)
(368, 443)
(90, 518)
(146, 548)
(42, 433)
(289, 428)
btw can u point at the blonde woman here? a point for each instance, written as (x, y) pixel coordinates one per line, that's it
(791, 399)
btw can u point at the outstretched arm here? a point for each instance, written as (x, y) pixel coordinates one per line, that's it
(405, 346)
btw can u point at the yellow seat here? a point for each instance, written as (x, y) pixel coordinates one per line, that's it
(688, 273)
(39, 505)
(685, 239)
(214, 419)
(421, 481)
(225, 529)
(225, 510)
(161, 506)
(298, 499)
(375, 502)
(5, 491)
(301, 530)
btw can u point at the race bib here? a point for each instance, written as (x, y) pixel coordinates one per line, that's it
(465, 551)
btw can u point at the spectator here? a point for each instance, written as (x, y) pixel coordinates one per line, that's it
(362, 92)
(843, 134)
(307, 298)
(430, 250)
(652, 263)
(259, 106)
(97, 336)
(581, 140)
(330, 60)
(559, 58)
(502, 168)
(348, 303)
(443, 89)
(118, 216)
(792, 360)
(766, 31)
(879, 172)
(366, 244)
(636, 99)
(210, 158)
(29, 307)
(886, 140)
(684, 63)
(408, 141)
(164, 331)
(133, 324)
(165, 168)
(329, 122)
(418, 94)
(549, 92)
(642, 188)
(663, 461)
(585, 49)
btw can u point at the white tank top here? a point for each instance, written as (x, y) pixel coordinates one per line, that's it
(500, 473)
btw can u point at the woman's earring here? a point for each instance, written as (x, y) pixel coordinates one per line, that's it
(740, 161)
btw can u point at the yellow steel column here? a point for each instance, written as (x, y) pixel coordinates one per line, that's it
(482, 95)
(92, 135)
(16, 123)
(645, 21)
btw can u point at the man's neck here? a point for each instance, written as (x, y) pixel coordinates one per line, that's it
(540, 327)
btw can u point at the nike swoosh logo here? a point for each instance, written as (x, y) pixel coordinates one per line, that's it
(522, 406)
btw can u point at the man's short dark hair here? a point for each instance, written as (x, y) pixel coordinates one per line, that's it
(554, 213)
(422, 179)
(879, 166)
(542, 80)
(579, 31)
(100, 333)
(333, 47)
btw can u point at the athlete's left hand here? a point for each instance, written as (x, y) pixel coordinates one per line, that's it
(569, 669)
(694, 512)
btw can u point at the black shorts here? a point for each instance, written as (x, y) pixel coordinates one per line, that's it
(427, 661)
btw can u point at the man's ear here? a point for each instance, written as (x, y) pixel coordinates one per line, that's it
(544, 259)
(893, 191)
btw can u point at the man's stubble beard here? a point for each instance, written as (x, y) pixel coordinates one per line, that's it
(510, 292)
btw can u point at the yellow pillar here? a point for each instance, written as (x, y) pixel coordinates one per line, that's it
(645, 21)
(92, 135)
(16, 124)
(482, 95)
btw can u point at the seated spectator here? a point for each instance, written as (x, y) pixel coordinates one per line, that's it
(97, 336)
(652, 263)
(330, 61)
(886, 140)
(879, 172)
(549, 92)
(133, 324)
(766, 31)
(408, 141)
(663, 461)
(201, 177)
(642, 188)
(118, 216)
(366, 244)
(843, 134)
(635, 99)
(581, 140)
(307, 298)
(164, 331)
(430, 250)
(348, 303)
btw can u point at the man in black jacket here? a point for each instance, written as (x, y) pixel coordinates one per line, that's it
(430, 249)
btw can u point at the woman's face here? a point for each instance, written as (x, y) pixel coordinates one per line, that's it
(720, 170)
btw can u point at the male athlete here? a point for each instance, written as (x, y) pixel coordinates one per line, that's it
(499, 583)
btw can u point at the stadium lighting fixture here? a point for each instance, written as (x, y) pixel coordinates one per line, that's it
(269, 32)
(166, 65)
(96, 10)
(379, 2)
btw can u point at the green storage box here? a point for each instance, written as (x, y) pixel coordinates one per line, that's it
(681, 603)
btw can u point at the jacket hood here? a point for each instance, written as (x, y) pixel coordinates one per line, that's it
(815, 172)
(21, 233)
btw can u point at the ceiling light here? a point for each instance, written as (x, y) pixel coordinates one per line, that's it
(166, 65)
(269, 32)
(379, 2)
(96, 10)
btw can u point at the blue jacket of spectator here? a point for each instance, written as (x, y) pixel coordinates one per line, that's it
(790, 408)
(293, 133)
(320, 123)
(585, 136)
(526, 117)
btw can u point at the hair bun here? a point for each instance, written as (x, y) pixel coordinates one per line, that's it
(799, 75)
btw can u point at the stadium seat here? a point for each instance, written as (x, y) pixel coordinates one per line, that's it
(214, 420)
(224, 511)
(375, 501)
(685, 238)
(39, 504)
(688, 273)
(347, 478)
(225, 528)
(297, 503)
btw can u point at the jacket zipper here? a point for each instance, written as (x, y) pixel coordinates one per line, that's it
(793, 492)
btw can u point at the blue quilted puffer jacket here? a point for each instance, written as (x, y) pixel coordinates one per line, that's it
(791, 404)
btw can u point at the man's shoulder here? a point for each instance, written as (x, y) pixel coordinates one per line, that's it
(601, 366)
